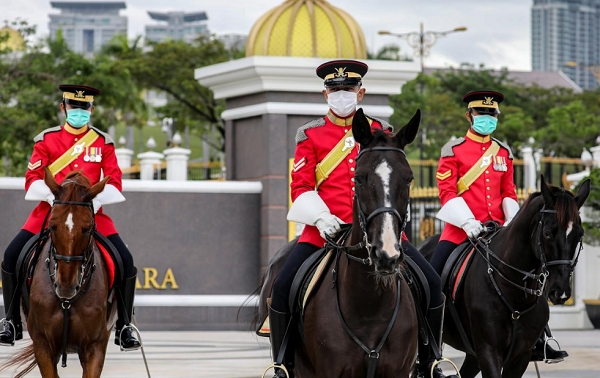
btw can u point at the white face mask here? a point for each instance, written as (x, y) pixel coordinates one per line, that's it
(342, 103)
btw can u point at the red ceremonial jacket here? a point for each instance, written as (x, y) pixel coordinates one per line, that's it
(314, 141)
(484, 196)
(50, 145)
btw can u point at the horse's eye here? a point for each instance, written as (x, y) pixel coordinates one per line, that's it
(359, 180)
(86, 230)
(547, 235)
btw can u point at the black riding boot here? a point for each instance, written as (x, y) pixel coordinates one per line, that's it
(552, 355)
(124, 335)
(12, 329)
(426, 355)
(279, 322)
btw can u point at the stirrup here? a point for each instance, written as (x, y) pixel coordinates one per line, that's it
(443, 359)
(276, 365)
(3, 322)
(548, 360)
(139, 337)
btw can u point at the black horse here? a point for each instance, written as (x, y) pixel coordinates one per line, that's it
(502, 303)
(369, 320)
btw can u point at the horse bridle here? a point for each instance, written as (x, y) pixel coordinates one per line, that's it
(541, 277)
(571, 263)
(364, 220)
(86, 257)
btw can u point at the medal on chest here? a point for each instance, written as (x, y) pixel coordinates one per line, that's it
(500, 164)
(93, 154)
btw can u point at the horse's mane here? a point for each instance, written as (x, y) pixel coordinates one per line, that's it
(565, 206)
(381, 137)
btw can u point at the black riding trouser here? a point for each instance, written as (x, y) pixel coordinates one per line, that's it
(283, 282)
(442, 251)
(11, 254)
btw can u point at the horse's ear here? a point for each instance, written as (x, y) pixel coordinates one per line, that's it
(96, 189)
(51, 182)
(408, 133)
(583, 192)
(361, 128)
(547, 194)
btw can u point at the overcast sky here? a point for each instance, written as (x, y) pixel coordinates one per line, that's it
(498, 35)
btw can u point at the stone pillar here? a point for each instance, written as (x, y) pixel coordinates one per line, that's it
(150, 161)
(177, 159)
(596, 154)
(529, 169)
(124, 157)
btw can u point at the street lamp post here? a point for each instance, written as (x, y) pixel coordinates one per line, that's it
(421, 42)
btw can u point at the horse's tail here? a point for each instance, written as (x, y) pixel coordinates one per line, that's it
(22, 357)
(249, 302)
(266, 282)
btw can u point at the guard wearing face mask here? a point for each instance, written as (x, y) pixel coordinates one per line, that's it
(476, 184)
(322, 191)
(74, 146)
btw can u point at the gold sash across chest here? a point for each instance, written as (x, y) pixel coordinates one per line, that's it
(477, 169)
(72, 153)
(333, 159)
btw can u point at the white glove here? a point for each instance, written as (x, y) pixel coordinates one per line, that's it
(472, 227)
(50, 199)
(96, 204)
(510, 208)
(328, 224)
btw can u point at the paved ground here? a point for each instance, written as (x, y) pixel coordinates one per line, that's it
(243, 355)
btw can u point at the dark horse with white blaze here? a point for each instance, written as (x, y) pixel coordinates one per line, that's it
(371, 311)
(70, 284)
(502, 303)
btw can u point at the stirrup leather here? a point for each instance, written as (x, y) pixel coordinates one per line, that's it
(5, 322)
(275, 365)
(133, 329)
(548, 360)
(443, 359)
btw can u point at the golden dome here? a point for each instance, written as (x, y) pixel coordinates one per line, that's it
(307, 28)
(12, 39)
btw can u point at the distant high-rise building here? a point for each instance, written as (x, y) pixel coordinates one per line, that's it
(565, 36)
(177, 26)
(87, 26)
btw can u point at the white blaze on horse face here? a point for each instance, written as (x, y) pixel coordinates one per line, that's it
(569, 228)
(388, 235)
(69, 223)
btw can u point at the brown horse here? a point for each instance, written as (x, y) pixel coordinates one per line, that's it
(369, 320)
(510, 280)
(70, 286)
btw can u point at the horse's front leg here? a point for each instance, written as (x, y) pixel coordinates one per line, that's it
(517, 368)
(92, 359)
(46, 358)
(490, 361)
(470, 367)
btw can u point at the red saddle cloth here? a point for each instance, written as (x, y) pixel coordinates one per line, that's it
(461, 273)
(110, 264)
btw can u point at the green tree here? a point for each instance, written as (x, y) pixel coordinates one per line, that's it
(570, 127)
(169, 67)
